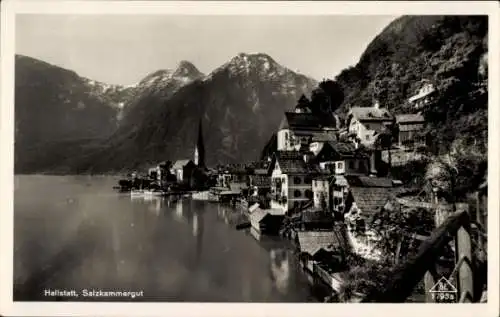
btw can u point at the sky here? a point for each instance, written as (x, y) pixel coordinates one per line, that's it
(123, 49)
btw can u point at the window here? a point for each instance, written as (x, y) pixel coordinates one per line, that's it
(340, 165)
(351, 164)
(309, 194)
(307, 180)
(367, 137)
(296, 180)
(297, 193)
(362, 167)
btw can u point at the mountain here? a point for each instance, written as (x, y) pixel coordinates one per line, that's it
(60, 114)
(451, 53)
(155, 88)
(55, 106)
(241, 104)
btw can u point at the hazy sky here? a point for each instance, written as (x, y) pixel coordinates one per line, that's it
(122, 49)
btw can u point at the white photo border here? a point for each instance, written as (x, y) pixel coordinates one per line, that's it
(9, 9)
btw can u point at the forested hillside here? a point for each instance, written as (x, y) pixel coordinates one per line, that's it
(451, 53)
(447, 50)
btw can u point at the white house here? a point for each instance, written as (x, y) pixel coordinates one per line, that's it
(425, 95)
(182, 170)
(321, 191)
(291, 180)
(298, 129)
(367, 122)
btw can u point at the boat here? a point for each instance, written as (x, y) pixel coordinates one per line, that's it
(201, 195)
(156, 193)
(243, 225)
(137, 193)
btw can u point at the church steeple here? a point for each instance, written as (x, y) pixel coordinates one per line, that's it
(199, 152)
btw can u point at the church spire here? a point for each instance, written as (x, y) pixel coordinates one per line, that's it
(199, 152)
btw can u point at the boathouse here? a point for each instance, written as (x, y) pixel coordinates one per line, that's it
(266, 221)
(321, 247)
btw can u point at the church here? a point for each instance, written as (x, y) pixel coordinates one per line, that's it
(192, 172)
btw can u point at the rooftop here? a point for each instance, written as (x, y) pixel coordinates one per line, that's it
(323, 137)
(296, 120)
(371, 114)
(347, 149)
(260, 180)
(426, 90)
(292, 162)
(312, 241)
(409, 118)
(371, 199)
(316, 215)
(180, 163)
(368, 181)
(257, 216)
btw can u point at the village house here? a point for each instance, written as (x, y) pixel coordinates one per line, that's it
(409, 127)
(337, 159)
(365, 123)
(342, 158)
(367, 196)
(291, 179)
(223, 177)
(259, 180)
(322, 253)
(321, 192)
(239, 178)
(315, 219)
(298, 129)
(425, 95)
(183, 170)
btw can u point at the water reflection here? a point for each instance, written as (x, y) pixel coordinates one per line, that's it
(179, 211)
(189, 253)
(198, 226)
(280, 269)
(195, 225)
(156, 204)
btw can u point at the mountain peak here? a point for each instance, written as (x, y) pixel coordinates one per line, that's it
(253, 63)
(187, 69)
(253, 58)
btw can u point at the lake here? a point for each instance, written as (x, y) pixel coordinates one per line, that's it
(74, 233)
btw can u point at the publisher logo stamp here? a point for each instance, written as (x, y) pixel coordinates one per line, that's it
(444, 291)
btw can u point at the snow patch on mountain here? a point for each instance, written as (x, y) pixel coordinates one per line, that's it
(266, 69)
(184, 74)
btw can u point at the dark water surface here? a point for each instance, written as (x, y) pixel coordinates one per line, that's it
(76, 233)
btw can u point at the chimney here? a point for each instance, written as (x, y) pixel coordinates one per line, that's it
(373, 164)
(356, 144)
